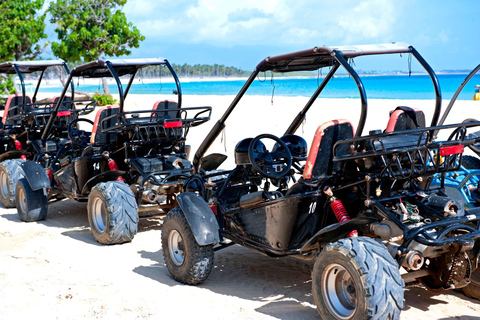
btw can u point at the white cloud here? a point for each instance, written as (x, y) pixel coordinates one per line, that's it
(271, 22)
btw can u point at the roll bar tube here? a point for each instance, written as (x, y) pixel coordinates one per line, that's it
(436, 85)
(129, 85)
(177, 83)
(301, 115)
(48, 127)
(34, 99)
(119, 84)
(220, 125)
(21, 82)
(361, 90)
(455, 96)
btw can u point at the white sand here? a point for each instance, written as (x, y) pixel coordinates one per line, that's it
(54, 269)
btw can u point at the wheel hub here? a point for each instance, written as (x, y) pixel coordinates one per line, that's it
(99, 215)
(176, 247)
(22, 200)
(4, 184)
(339, 291)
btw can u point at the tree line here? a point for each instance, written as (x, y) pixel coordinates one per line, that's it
(85, 30)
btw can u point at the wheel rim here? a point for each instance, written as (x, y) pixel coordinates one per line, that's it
(338, 288)
(22, 200)
(4, 184)
(99, 216)
(175, 247)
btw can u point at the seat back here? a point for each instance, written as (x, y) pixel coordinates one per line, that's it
(166, 104)
(319, 161)
(12, 101)
(66, 106)
(98, 137)
(405, 118)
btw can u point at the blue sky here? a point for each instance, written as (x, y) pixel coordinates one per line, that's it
(242, 32)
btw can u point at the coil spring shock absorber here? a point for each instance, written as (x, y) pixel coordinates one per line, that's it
(338, 209)
(18, 146)
(112, 164)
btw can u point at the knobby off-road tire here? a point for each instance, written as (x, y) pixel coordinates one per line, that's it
(10, 172)
(356, 278)
(186, 260)
(472, 291)
(112, 212)
(31, 205)
(469, 162)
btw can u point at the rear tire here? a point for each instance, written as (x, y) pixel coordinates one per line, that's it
(469, 162)
(112, 213)
(31, 205)
(186, 260)
(356, 278)
(472, 291)
(10, 172)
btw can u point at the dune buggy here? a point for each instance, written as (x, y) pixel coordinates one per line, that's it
(362, 207)
(463, 184)
(24, 118)
(128, 162)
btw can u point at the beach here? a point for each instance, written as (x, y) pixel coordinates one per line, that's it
(54, 269)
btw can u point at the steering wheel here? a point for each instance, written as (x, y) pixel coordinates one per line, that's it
(267, 163)
(79, 137)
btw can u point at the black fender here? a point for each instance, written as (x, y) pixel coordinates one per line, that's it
(336, 232)
(14, 154)
(200, 217)
(102, 177)
(36, 176)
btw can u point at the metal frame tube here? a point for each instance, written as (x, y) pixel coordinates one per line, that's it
(177, 82)
(34, 99)
(48, 127)
(455, 96)
(127, 89)
(436, 85)
(220, 125)
(22, 82)
(299, 118)
(363, 95)
(119, 84)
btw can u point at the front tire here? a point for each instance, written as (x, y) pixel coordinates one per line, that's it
(31, 205)
(112, 213)
(473, 289)
(186, 260)
(10, 172)
(356, 278)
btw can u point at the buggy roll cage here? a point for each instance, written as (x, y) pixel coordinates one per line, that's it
(114, 68)
(455, 96)
(26, 67)
(314, 59)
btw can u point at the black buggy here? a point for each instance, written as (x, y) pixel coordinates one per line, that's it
(362, 207)
(24, 118)
(122, 163)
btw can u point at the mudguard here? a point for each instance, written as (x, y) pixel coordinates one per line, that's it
(200, 217)
(14, 154)
(111, 175)
(336, 231)
(36, 176)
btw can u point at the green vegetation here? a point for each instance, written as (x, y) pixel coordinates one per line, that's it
(103, 99)
(205, 70)
(7, 85)
(21, 32)
(88, 29)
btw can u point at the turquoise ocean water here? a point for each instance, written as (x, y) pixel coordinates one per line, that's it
(377, 87)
